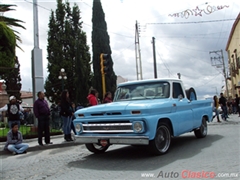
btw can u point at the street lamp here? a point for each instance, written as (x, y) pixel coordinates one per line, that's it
(62, 76)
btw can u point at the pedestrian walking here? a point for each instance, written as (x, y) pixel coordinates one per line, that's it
(15, 141)
(79, 106)
(234, 106)
(229, 105)
(97, 97)
(215, 108)
(92, 99)
(13, 109)
(66, 114)
(107, 97)
(237, 104)
(223, 104)
(42, 113)
(73, 117)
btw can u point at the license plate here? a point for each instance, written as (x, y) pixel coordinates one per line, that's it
(103, 142)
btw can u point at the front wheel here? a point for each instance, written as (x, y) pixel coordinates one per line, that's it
(97, 149)
(162, 141)
(201, 132)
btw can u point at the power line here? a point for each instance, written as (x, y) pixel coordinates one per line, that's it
(83, 22)
(165, 65)
(38, 5)
(193, 22)
(109, 32)
(121, 52)
(203, 85)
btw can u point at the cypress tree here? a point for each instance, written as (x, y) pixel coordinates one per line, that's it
(67, 49)
(101, 44)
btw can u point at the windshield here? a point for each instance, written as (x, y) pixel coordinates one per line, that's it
(143, 91)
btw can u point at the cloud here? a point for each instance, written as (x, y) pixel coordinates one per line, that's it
(180, 48)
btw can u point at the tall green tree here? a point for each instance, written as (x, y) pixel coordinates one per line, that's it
(11, 22)
(7, 48)
(9, 64)
(83, 70)
(67, 48)
(101, 44)
(13, 80)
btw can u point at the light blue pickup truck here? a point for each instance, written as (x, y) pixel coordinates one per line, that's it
(146, 112)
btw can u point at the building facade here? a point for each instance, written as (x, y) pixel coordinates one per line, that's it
(233, 50)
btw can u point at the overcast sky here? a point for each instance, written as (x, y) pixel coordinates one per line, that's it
(181, 47)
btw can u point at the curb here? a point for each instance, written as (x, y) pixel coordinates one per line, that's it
(52, 146)
(34, 139)
(36, 147)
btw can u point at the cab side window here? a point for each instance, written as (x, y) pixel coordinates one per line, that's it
(177, 90)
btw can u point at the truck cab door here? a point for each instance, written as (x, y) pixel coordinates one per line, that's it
(183, 107)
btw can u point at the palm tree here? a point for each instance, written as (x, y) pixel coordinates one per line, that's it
(11, 22)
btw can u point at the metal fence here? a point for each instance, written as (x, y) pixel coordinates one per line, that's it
(27, 127)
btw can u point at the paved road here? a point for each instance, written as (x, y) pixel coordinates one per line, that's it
(218, 154)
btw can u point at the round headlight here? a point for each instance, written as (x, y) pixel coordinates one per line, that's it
(137, 127)
(78, 127)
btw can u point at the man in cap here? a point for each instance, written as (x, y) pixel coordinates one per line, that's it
(13, 110)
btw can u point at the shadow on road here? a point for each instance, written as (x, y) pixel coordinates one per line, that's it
(130, 158)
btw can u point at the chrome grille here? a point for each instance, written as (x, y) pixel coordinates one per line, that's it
(106, 113)
(108, 127)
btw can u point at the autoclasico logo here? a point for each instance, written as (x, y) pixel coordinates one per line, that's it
(185, 174)
(197, 174)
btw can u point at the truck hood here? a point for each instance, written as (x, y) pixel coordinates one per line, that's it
(125, 107)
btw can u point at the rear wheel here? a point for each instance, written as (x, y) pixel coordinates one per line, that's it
(162, 141)
(201, 132)
(96, 148)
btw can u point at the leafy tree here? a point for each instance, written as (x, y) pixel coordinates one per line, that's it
(7, 48)
(13, 80)
(8, 59)
(67, 49)
(11, 22)
(100, 44)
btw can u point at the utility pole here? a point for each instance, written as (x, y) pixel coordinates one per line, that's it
(37, 64)
(138, 53)
(154, 58)
(218, 61)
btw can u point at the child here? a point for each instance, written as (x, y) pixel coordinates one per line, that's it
(14, 141)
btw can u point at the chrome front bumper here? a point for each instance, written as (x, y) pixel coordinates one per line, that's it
(133, 140)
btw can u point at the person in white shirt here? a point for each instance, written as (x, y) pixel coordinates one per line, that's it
(13, 109)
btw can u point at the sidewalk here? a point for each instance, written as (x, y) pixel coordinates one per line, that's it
(57, 141)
